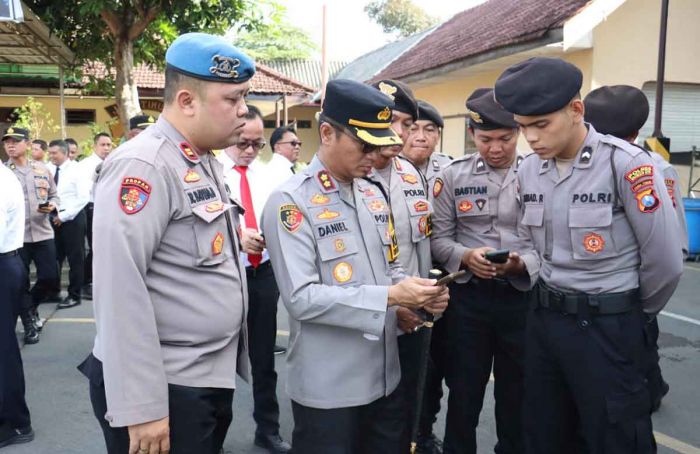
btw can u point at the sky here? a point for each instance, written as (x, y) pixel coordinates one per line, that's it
(350, 31)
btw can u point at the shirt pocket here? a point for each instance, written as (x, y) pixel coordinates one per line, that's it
(419, 211)
(211, 236)
(533, 218)
(474, 213)
(591, 232)
(41, 187)
(339, 260)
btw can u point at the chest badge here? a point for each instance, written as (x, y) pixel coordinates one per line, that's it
(593, 243)
(465, 206)
(217, 244)
(191, 176)
(421, 206)
(410, 179)
(339, 245)
(320, 199)
(327, 214)
(342, 272)
(480, 204)
(377, 205)
(213, 207)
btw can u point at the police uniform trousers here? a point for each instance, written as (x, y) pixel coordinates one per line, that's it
(409, 358)
(374, 428)
(70, 246)
(43, 254)
(439, 355)
(486, 330)
(655, 380)
(585, 387)
(89, 210)
(199, 417)
(262, 332)
(14, 413)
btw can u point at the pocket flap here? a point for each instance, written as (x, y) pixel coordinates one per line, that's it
(336, 247)
(210, 211)
(590, 216)
(534, 215)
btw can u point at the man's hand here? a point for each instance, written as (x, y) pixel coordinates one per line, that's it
(414, 292)
(477, 264)
(57, 222)
(438, 304)
(513, 267)
(47, 209)
(408, 320)
(150, 438)
(251, 241)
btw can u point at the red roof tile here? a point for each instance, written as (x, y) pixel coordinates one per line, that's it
(491, 25)
(266, 80)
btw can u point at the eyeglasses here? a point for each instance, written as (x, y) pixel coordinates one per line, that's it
(244, 144)
(366, 147)
(294, 143)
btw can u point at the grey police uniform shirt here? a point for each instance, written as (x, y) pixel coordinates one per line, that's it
(433, 166)
(170, 290)
(473, 207)
(673, 187)
(588, 243)
(39, 187)
(408, 198)
(331, 250)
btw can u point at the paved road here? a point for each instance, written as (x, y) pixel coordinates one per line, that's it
(64, 423)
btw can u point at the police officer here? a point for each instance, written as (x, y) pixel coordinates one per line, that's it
(621, 111)
(476, 213)
(138, 124)
(40, 200)
(170, 290)
(333, 250)
(286, 148)
(424, 136)
(600, 219)
(15, 421)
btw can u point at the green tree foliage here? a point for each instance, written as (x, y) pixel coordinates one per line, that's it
(122, 33)
(33, 116)
(401, 17)
(275, 38)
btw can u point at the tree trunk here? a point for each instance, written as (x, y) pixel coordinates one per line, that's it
(126, 92)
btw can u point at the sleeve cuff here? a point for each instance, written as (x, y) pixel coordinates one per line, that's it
(454, 263)
(139, 414)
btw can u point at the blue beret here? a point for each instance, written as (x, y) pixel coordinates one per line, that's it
(401, 94)
(485, 113)
(538, 86)
(618, 110)
(427, 111)
(209, 57)
(362, 110)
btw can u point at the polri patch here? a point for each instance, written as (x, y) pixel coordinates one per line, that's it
(290, 217)
(639, 172)
(437, 187)
(593, 243)
(647, 200)
(133, 194)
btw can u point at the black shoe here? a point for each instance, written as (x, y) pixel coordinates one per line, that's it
(31, 335)
(273, 443)
(279, 350)
(86, 292)
(56, 298)
(68, 302)
(657, 399)
(38, 321)
(16, 436)
(429, 444)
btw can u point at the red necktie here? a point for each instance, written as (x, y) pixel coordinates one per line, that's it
(249, 215)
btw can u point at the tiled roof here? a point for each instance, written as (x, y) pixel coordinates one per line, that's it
(486, 27)
(305, 71)
(266, 81)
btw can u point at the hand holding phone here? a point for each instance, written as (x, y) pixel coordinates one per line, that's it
(499, 256)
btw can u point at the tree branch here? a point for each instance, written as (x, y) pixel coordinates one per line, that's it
(112, 21)
(140, 25)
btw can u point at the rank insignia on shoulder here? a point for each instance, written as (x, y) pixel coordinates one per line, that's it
(421, 206)
(188, 153)
(518, 161)
(437, 187)
(397, 165)
(639, 172)
(647, 200)
(290, 217)
(217, 244)
(326, 181)
(465, 206)
(342, 272)
(133, 194)
(593, 242)
(369, 192)
(480, 165)
(213, 207)
(410, 179)
(436, 165)
(586, 155)
(327, 214)
(320, 199)
(191, 176)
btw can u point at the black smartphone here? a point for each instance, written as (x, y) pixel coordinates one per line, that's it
(500, 256)
(44, 205)
(451, 277)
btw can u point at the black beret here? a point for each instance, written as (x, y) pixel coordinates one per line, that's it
(618, 110)
(485, 113)
(141, 121)
(427, 111)
(16, 133)
(538, 86)
(401, 94)
(360, 109)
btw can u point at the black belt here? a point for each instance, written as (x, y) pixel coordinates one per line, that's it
(9, 253)
(569, 303)
(496, 281)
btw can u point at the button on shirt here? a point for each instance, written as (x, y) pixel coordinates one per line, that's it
(11, 212)
(72, 190)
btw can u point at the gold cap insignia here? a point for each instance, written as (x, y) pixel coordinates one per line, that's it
(151, 119)
(475, 116)
(384, 115)
(225, 67)
(387, 89)
(10, 131)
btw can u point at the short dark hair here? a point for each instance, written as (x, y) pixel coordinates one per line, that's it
(278, 133)
(175, 80)
(61, 144)
(71, 141)
(101, 134)
(41, 143)
(253, 112)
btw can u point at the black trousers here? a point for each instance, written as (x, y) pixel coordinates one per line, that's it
(374, 428)
(70, 245)
(409, 358)
(439, 356)
(585, 389)
(89, 209)
(199, 417)
(655, 380)
(262, 332)
(486, 330)
(43, 254)
(13, 408)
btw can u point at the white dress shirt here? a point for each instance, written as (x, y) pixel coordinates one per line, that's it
(11, 211)
(72, 191)
(88, 167)
(261, 184)
(281, 167)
